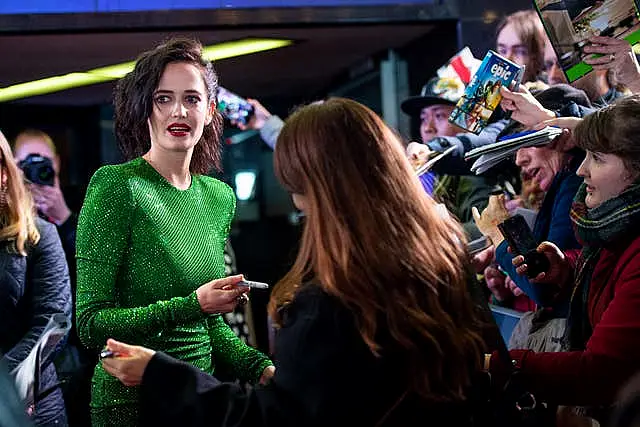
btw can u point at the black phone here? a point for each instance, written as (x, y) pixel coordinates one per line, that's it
(234, 107)
(517, 233)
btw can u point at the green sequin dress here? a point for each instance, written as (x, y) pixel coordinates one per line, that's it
(143, 248)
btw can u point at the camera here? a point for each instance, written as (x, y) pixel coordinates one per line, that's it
(38, 169)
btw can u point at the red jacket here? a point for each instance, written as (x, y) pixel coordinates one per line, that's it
(612, 354)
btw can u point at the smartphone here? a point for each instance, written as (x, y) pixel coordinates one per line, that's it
(517, 233)
(233, 106)
(253, 285)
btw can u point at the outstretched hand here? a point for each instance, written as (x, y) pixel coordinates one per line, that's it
(559, 267)
(257, 120)
(564, 141)
(129, 363)
(524, 107)
(617, 55)
(494, 214)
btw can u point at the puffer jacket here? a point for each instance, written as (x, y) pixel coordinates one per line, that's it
(32, 290)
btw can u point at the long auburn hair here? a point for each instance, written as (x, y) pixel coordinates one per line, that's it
(17, 216)
(373, 239)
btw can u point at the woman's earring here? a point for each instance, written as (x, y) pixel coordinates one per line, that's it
(3, 196)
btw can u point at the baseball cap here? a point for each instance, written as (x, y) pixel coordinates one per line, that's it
(438, 90)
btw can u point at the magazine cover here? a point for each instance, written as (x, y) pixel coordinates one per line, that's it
(482, 95)
(571, 23)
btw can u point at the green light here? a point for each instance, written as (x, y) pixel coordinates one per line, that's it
(113, 72)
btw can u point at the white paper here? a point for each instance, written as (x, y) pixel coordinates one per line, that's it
(24, 373)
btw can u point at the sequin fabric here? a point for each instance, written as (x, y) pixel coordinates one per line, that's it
(143, 248)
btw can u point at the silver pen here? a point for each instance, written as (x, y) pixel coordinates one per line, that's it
(252, 284)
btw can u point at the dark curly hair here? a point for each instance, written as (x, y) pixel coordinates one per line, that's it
(134, 102)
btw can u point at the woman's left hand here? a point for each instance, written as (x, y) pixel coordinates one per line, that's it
(129, 363)
(494, 214)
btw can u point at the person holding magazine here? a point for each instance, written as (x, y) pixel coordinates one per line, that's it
(520, 38)
(602, 281)
(34, 287)
(458, 193)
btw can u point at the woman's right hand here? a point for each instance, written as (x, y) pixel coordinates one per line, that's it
(221, 295)
(559, 267)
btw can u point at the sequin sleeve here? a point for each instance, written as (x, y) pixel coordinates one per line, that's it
(102, 238)
(232, 355)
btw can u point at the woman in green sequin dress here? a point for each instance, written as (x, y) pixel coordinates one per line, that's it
(152, 232)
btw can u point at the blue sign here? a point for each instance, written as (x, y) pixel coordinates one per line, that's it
(96, 6)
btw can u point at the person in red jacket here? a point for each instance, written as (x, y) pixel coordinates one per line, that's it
(603, 279)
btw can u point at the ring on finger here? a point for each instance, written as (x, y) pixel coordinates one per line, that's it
(242, 299)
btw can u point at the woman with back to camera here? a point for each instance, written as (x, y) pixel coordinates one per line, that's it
(603, 279)
(34, 286)
(152, 231)
(376, 324)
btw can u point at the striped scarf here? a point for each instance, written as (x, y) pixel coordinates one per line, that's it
(610, 223)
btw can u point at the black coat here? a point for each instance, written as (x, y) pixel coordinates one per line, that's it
(32, 289)
(326, 376)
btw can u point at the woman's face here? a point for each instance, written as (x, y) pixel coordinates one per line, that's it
(511, 47)
(540, 163)
(181, 108)
(606, 176)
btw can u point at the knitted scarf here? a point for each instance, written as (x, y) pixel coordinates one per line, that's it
(612, 222)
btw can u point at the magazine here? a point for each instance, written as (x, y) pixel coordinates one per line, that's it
(482, 95)
(491, 154)
(571, 23)
(27, 373)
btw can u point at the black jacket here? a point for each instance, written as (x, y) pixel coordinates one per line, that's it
(32, 289)
(325, 376)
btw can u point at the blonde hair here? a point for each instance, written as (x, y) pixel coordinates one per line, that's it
(34, 134)
(17, 216)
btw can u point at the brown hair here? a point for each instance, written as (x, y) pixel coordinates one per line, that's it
(531, 33)
(374, 239)
(134, 102)
(614, 129)
(17, 217)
